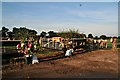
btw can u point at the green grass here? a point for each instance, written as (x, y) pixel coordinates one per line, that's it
(10, 47)
(109, 44)
(118, 43)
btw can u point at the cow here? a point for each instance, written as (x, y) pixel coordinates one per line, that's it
(102, 43)
(89, 42)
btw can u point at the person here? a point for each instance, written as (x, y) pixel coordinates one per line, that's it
(34, 59)
(29, 52)
(35, 46)
(64, 49)
(114, 45)
(28, 49)
(69, 52)
(34, 50)
(18, 46)
(28, 55)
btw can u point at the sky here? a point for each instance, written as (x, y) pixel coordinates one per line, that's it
(97, 18)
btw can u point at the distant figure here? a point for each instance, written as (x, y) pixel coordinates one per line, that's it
(34, 59)
(114, 42)
(90, 43)
(32, 49)
(64, 49)
(18, 46)
(69, 51)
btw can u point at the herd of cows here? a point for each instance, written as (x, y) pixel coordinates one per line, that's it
(86, 43)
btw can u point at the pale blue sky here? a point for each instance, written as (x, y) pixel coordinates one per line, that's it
(92, 17)
(59, 0)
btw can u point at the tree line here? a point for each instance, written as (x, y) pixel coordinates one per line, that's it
(25, 33)
(18, 33)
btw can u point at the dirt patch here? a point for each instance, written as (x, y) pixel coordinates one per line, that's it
(94, 64)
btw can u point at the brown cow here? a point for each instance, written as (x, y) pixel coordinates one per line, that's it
(102, 43)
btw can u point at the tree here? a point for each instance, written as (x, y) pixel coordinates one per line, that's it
(90, 36)
(71, 34)
(82, 36)
(15, 30)
(32, 33)
(43, 34)
(103, 37)
(96, 37)
(4, 31)
(52, 34)
(10, 35)
(118, 37)
(23, 33)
